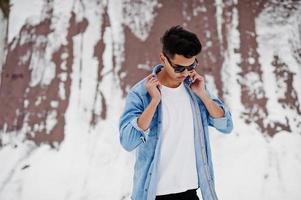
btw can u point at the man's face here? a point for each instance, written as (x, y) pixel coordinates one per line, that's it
(171, 66)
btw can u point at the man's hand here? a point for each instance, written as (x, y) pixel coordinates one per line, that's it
(152, 86)
(198, 84)
(198, 87)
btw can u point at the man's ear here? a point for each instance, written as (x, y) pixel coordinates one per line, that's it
(162, 59)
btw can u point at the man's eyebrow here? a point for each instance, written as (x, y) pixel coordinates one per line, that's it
(185, 65)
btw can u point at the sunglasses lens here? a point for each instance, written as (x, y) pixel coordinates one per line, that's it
(191, 67)
(179, 69)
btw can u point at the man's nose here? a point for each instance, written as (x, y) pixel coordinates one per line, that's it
(185, 72)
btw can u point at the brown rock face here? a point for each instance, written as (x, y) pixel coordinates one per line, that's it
(27, 107)
(38, 109)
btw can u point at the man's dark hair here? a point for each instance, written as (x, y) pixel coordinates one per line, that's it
(177, 40)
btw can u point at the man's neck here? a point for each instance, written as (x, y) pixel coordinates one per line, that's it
(166, 80)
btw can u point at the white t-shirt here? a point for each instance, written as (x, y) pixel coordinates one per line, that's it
(177, 163)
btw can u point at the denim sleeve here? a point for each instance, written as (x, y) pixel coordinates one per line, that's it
(130, 134)
(223, 124)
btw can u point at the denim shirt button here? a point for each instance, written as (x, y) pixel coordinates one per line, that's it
(150, 173)
(145, 190)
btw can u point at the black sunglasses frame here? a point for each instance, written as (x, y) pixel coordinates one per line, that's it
(180, 68)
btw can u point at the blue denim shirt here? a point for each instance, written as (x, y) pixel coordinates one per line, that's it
(148, 143)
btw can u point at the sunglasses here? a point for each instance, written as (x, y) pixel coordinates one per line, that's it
(180, 68)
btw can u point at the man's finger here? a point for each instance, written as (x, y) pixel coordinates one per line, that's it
(149, 77)
(152, 80)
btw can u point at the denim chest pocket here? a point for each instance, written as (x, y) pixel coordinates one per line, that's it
(146, 150)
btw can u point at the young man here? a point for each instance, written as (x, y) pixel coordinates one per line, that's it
(166, 120)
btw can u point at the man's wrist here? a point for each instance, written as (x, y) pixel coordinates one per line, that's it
(155, 101)
(202, 94)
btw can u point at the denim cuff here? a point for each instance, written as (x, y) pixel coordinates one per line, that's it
(145, 133)
(220, 122)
